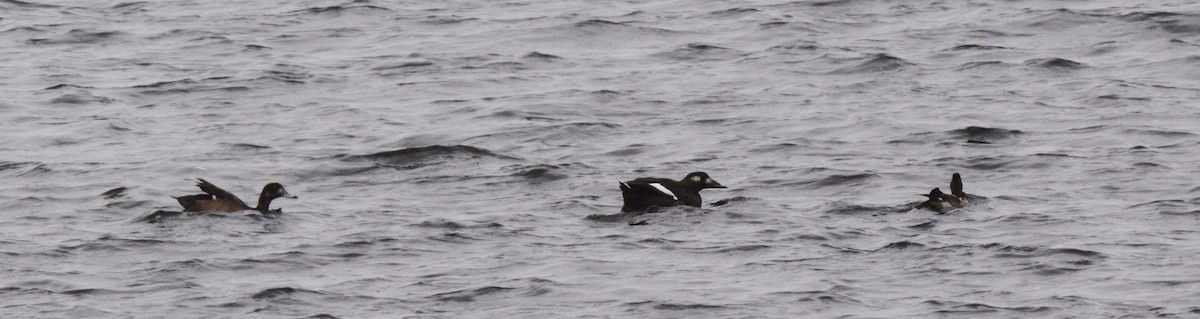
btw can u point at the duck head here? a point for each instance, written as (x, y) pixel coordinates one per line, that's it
(700, 180)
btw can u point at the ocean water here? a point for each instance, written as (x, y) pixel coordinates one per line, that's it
(447, 156)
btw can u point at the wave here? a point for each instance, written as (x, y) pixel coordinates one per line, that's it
(114, 193)
(981, 134)
(541, 56)
(1171, 207)
(79, 37)
(470, 295)
(1057, 20)
(671, 306)
(188, 85)
(445, 224)
(24, 169)
(901, 245)
(540, 173)
(576, 131)
(1058, 64)
(980, 47)
(683, 307)
(1168, 21)
(1158, 132)
(453, 238)
(66, 86)
(281, 293)
(339, 9)
(797, 47)
(506, 66)
(875, 63)
(130, 6)
(731, 200)
(731, 12)
(81, 97)
(730, 249)
(406, 68)
(1011, 251)
(27, 4)
(836, 180)
(844, 208)
(611, 218)
(982, 64)
(439, 20)
(289, 74)
(700, 52)
(594, 23)
(987, 163)
(417, 157)
(599, 26)
(981, 308)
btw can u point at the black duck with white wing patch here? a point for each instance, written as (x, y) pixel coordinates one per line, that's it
(643, 193)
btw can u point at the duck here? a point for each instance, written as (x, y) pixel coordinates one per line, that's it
(217, 200)
(942, 202)
(647, 192)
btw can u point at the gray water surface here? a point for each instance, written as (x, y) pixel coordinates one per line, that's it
(447, 156)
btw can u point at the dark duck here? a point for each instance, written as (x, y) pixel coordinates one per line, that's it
(942, 202)
(217, 200)
(647, 192)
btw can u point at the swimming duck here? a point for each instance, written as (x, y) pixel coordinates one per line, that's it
(646, 192)
(942, 202)
(219, 200)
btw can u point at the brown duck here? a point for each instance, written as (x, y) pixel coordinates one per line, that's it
(942, 202)
(217, 200)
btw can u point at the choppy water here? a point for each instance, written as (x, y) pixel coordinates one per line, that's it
(447, 154)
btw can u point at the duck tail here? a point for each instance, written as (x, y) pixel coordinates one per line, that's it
(956, 186)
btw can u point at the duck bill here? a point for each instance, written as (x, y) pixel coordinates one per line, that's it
(713, 184)
(288, 195)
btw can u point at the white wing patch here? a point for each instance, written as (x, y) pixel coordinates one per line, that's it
(664, 190)
(945, 205)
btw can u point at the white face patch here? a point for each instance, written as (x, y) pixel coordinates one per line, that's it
(696, 179)
(664, 190)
